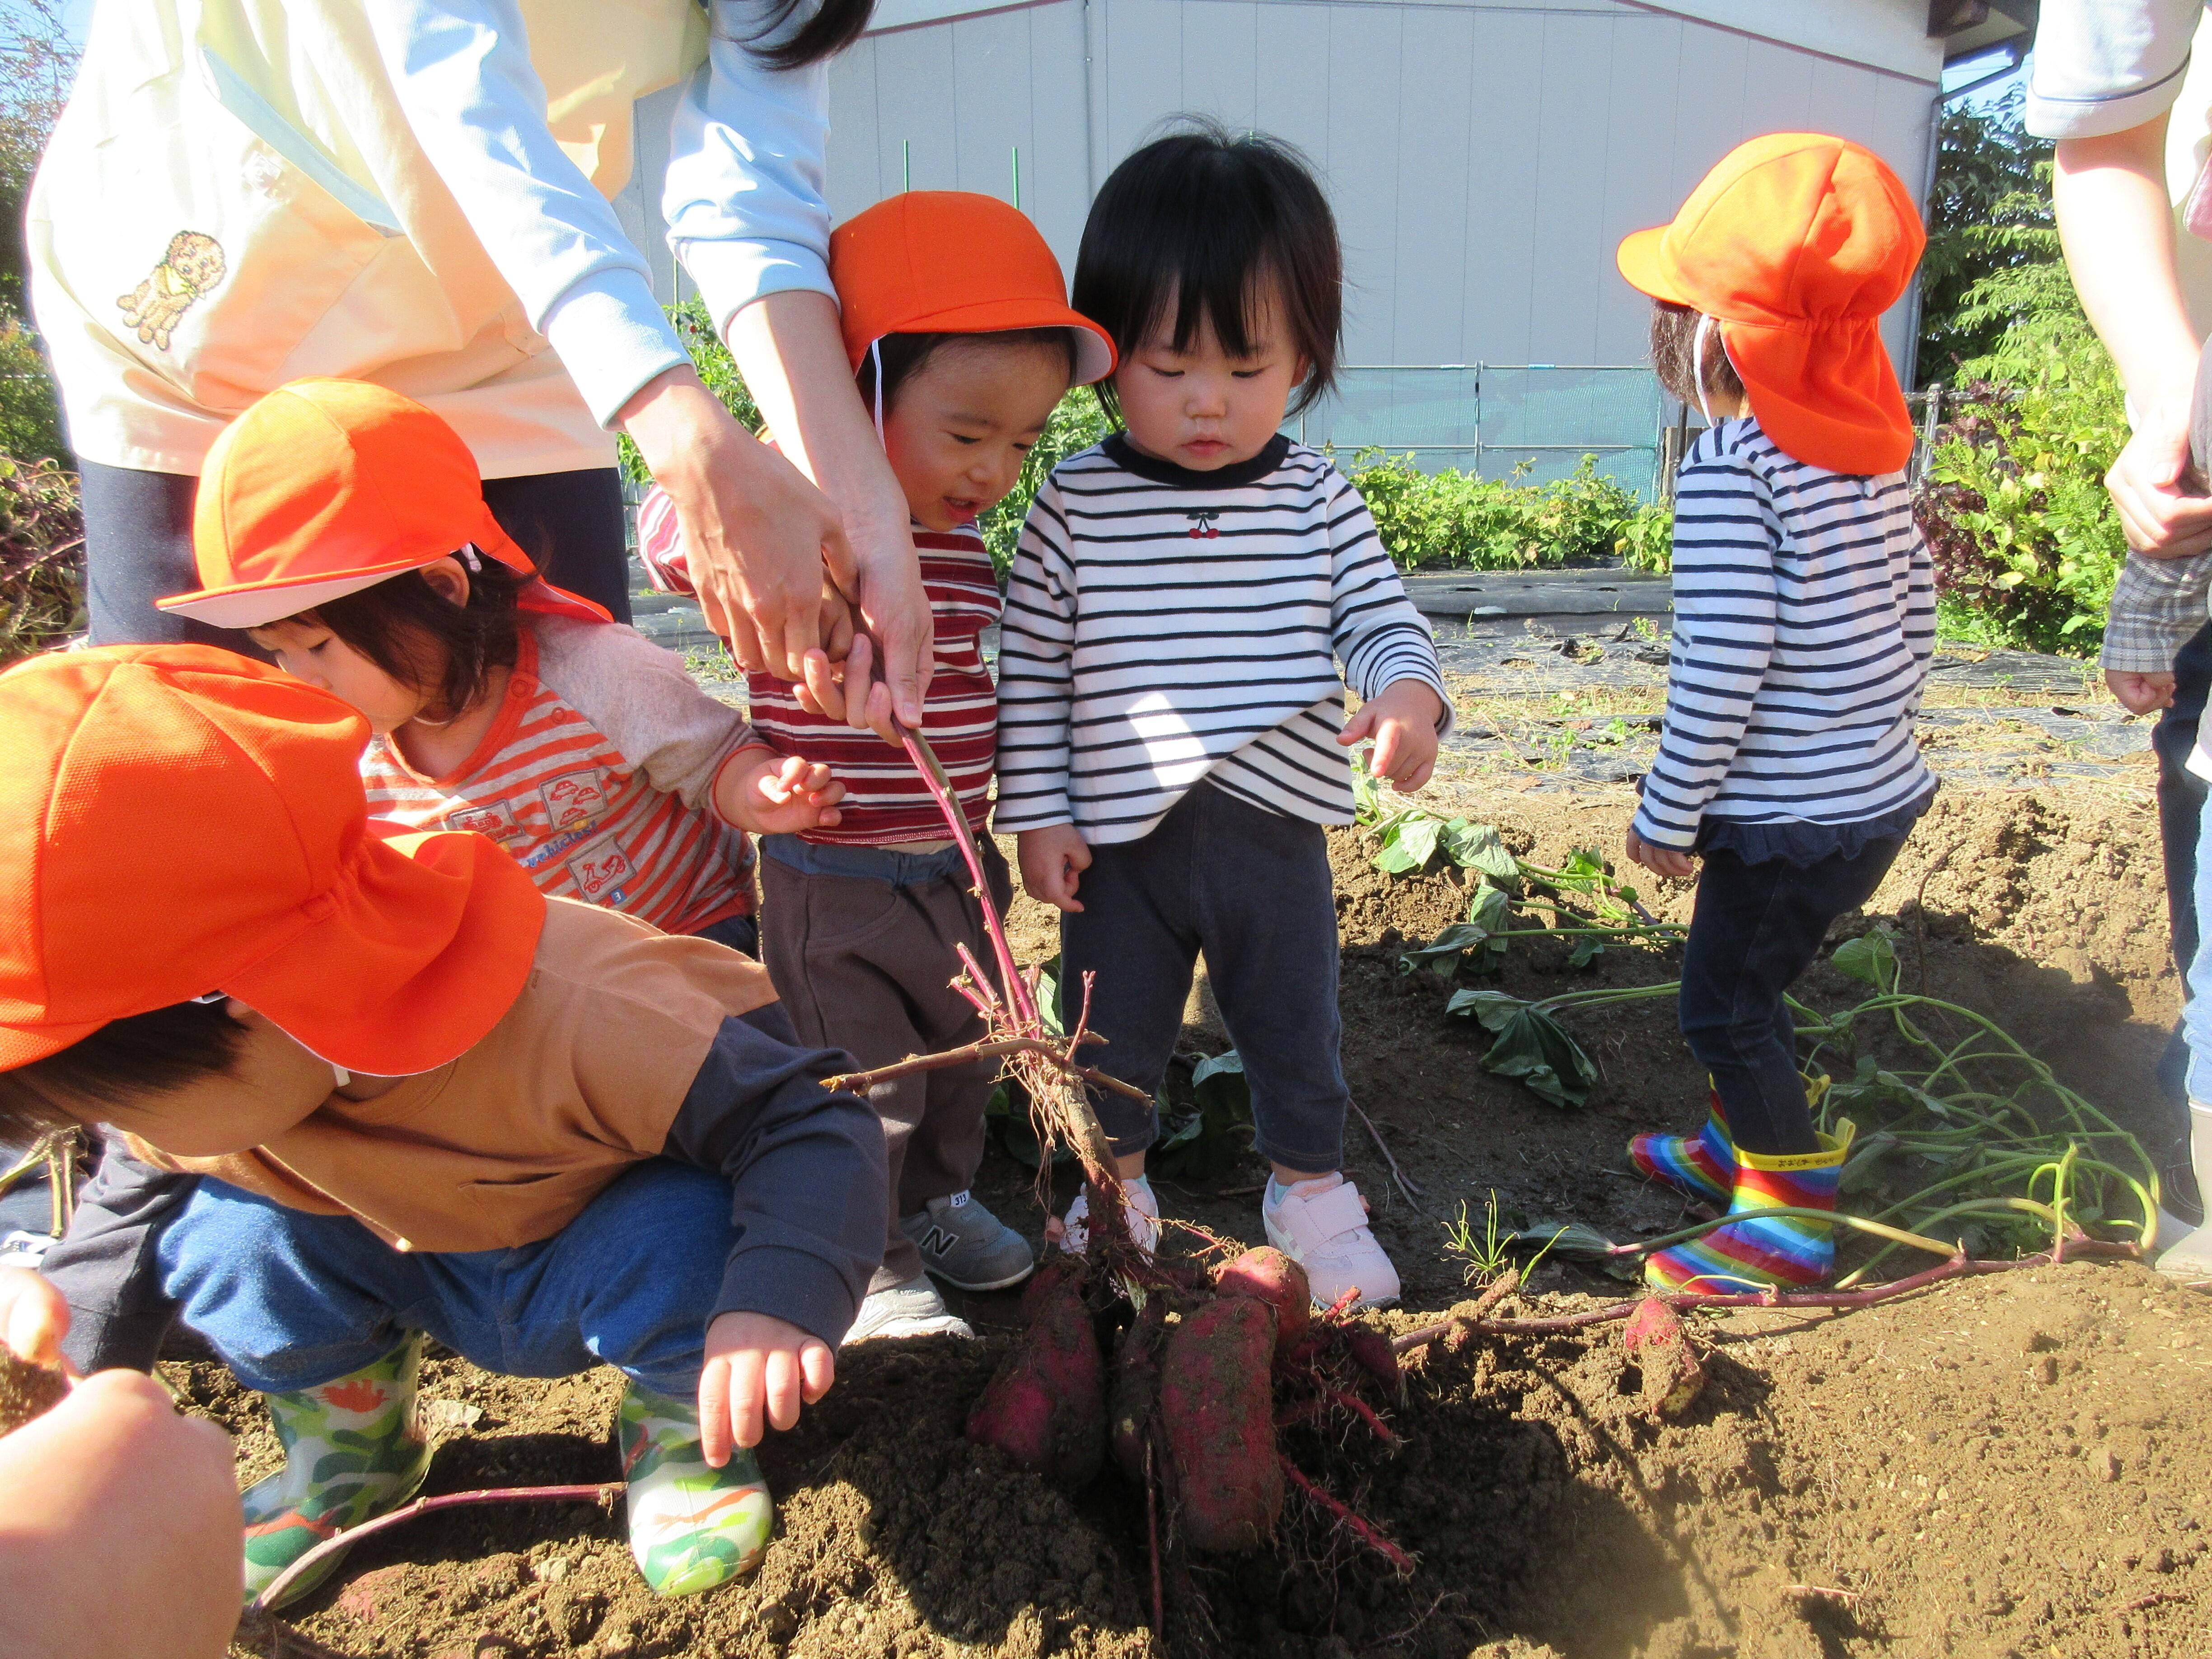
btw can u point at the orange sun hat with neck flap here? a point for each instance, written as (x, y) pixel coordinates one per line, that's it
(178, 821)
(326, 487)
(953, 262)
(1796, 245)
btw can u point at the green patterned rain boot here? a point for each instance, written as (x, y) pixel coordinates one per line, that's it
(353, 1448)
(691, 1526)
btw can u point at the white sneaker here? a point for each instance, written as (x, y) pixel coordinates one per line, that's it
(1142, 1213)
(914, 1309)
(1322, 1224)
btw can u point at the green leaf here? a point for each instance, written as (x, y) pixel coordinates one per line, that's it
(1588, 947)
(1871, 958)
(1529, 1045)
(1207, 1137)
(1574, 1241)
(1441, 955)
(1476, 846)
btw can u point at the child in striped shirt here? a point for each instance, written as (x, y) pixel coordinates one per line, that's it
(957, 325)
(1171, 725)
(343, 528)
(1804, 622)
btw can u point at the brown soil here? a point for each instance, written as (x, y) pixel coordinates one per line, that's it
(2010, 1465)
(26, 1390)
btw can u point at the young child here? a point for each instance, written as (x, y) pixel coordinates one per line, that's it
(1804, 622)
(956, 323)
(421, 1096)
(1171, 728)
(345, 527)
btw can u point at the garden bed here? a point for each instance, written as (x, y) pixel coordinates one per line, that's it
(2009, 1466)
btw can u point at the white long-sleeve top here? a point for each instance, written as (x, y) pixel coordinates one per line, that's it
(1804, 623)
(1165, 627)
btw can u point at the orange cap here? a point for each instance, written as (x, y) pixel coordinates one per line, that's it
(177, 820)
(1796, 243)
(324, 488)
(952, 262)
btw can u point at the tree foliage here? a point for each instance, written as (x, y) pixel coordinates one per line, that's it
(1989, 214)
(38, 65)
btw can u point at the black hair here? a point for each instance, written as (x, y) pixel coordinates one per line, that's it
(414, 633)
(832, 27)
(1198, 225)
(147, 1054)
(1674, 350)
(903, 355)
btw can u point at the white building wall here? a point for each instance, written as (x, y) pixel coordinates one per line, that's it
(1484, 156)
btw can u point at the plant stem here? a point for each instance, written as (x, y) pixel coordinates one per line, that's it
(292, 1575)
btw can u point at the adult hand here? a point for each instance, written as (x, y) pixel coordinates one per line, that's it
(120, 1528)
(793, 356)
(1661, 860)
(2161, 502)
(759, 1370)
(757, 533)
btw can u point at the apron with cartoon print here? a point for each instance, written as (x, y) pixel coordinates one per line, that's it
(234, 199)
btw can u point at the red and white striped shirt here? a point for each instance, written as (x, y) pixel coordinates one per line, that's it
(625, 820)
(884, 800)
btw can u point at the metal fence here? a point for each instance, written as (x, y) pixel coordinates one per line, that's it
(1496, 420)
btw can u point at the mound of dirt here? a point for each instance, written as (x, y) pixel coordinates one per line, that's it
(2010, 1465)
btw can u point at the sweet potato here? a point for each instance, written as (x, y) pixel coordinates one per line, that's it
(1268, 1275)
(1216, 1404)
(1133, 1394)
(1372, 1350)
(1673, 1373)
(1045, 1406)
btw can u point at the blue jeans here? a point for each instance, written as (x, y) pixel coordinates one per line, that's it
(292, 1300)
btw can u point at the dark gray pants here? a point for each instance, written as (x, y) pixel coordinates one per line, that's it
(1252, 890)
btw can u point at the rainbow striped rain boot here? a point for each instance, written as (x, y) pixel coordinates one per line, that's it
(692, 1525)
(353, 1448)
(1785, 1252)
(1700, 1166)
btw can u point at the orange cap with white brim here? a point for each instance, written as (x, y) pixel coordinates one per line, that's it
(326, 487)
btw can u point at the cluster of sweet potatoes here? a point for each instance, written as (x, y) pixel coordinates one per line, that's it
(1202, 1376)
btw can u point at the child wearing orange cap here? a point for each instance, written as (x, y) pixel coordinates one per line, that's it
(421, 1096)
(1804, 622)
(345, 527)
(1172, 729)
(957, 327)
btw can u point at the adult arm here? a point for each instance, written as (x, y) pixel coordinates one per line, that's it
(748, 217)
(462, 71)
(2104, 76)
(1725, 536)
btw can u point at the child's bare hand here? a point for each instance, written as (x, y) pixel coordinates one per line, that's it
(759, 1370)
(867, 699)
(33, 1318)
(1661, 860)
(2140, 694)
(1403, 719)
(773, 794)
(1053, 861)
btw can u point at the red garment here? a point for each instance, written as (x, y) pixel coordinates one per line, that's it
(575, 812)
(885, 799)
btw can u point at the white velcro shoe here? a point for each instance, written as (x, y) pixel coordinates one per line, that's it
(1141, 1214)
(1322, 1224)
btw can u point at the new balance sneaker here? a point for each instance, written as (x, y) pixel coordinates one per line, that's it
(1142, 1211)
(966, 1246)
(692, 1525)
(1322, 1224)
(914, 1309)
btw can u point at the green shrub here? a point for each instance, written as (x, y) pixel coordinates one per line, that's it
(717, 368)
(41, 555)
(30, 404)
(1077, 424)
(1455, 518)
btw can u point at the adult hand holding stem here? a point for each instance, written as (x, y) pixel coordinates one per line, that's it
(764, 523)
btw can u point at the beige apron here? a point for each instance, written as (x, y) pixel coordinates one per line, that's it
(234, 199)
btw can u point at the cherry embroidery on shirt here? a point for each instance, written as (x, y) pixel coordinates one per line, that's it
(1202, 523)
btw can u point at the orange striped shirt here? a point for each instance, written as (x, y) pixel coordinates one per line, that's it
(581, 816)
(885, 799)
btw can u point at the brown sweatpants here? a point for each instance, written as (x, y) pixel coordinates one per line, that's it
(865, 962)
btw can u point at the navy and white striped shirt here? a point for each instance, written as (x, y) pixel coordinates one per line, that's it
(1804, 622)
(1165, 626)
